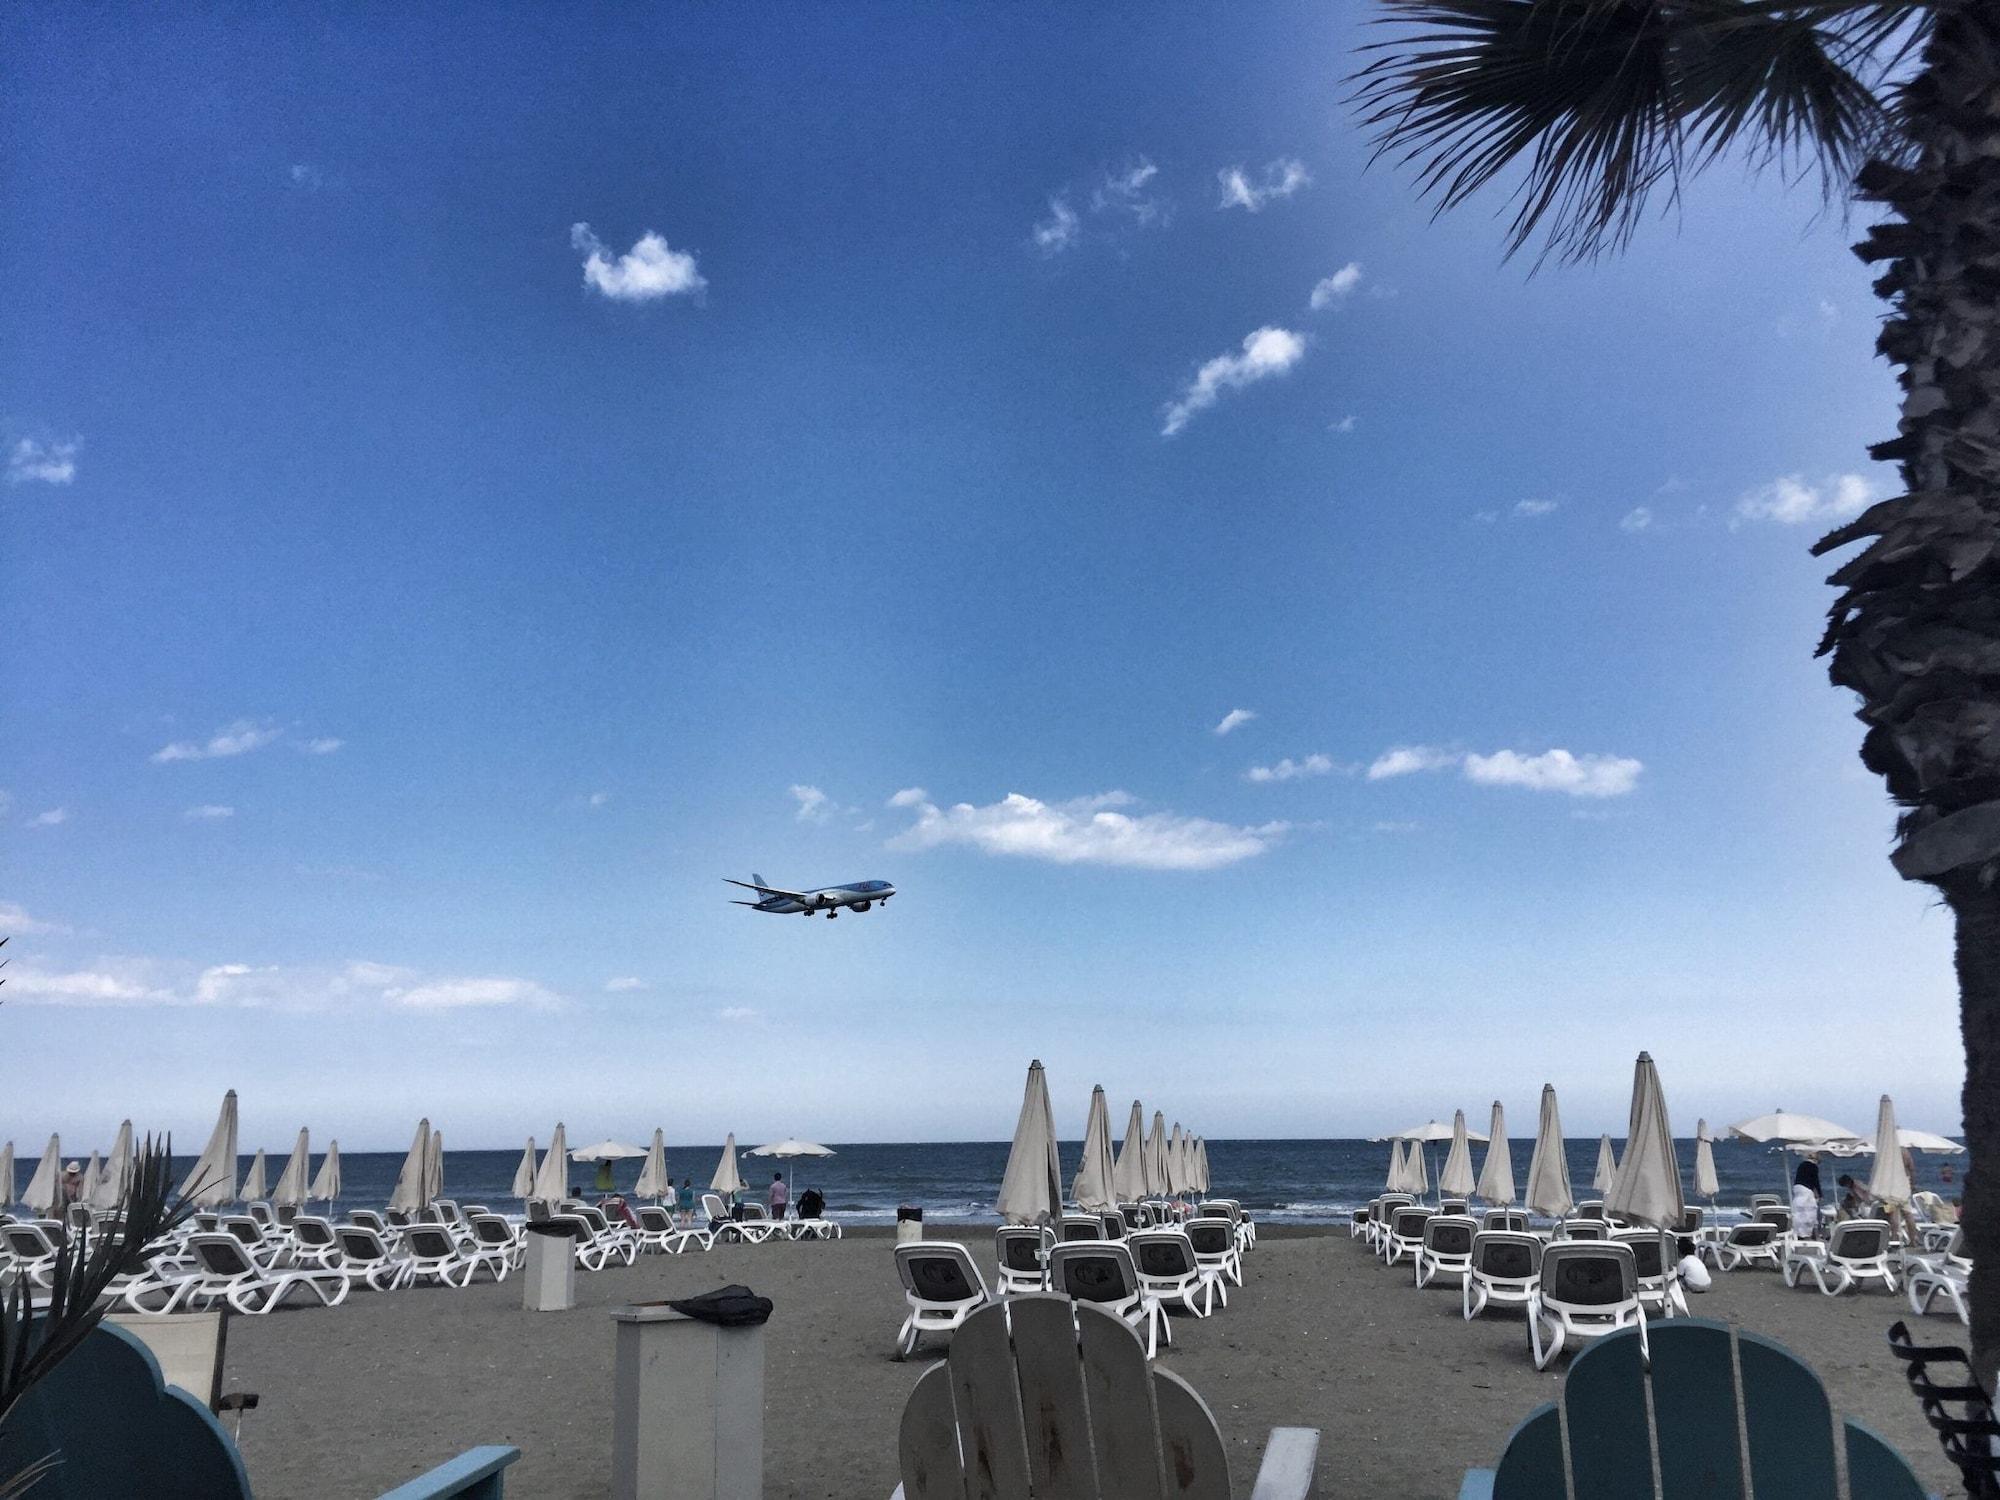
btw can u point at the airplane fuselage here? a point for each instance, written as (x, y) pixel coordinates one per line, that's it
(859, 895)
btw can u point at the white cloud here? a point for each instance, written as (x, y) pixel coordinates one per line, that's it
(598, 799)
(1828, 312)
(1556, 771)
(308, 177)
(42, 463)
(325, 745)
(208, 810)
(454, 994)
(107, 985)
(1266, 352)
(1087, 830)
(1638, 518)
(1407, 759)
(647, 271)
(1280, 179)
(14, 919)
(1528, 510)
(1345, 424)
(814, 804)
(1060, 230)
(1291, 770)
(239, 738)
(737, 1013)
(124, 981)
(52, 818)
(1235, 719)
(623, 985)
(1790, 501)
(1333, 290)
(909, 796)
(1125, 192)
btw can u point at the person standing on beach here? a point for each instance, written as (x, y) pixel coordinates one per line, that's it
(668, 1200)
(781, 1196)
(72, 1183)
(687, 1199)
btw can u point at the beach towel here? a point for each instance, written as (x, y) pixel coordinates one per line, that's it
(728, 1307)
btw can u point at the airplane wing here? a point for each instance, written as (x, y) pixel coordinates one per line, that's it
(769, 890)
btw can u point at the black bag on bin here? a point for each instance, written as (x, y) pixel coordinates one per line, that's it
(727, 1306)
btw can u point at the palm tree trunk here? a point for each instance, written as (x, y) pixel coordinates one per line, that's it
(1977, 908)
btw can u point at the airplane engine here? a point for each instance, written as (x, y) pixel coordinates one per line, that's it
(863, 905)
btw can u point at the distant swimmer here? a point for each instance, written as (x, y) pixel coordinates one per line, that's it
(859, 896)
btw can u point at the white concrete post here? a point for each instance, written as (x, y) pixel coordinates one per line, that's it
(548, 1273)
(687, 1416)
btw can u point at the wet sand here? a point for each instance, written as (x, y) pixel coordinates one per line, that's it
(358, 1398)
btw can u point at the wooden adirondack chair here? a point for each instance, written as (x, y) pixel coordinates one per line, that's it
(1702, 1377)
(118, 1429)
(1043, 1398)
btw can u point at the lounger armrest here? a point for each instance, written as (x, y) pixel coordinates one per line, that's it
(1478, 1484)
(1291, 1458)
(476, 1474)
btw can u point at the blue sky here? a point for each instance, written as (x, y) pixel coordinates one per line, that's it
(474, 484)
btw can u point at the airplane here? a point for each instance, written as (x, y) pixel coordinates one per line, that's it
(859, 896)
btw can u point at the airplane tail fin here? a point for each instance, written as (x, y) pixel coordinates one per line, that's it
(756, 879)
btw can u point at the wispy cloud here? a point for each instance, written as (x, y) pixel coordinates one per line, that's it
(307, 177)
(1060, 230)
(624, 984)
(1087, 830)
(324, 745)
(1236, 718)
(50, 818)
(14, 920)
(1266, 352)
(597, 799)
(1529, 510)
(1292, 770)
(648, 271)
(1127, 198)
(1332, 291)
(1280, 179)
(459, 994)
(1345, 424)
(909, 796)
(1406, 760)
(135, 981)
(1638, 518)
(738, 1013)
(32, 462)
(814, 804)
(1790, 501)
(1130, 194)
(1551, 771)
(208, 812)
(239, 738)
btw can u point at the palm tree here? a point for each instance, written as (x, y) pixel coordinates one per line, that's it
(1598, 108)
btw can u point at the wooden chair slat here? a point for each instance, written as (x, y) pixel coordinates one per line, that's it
(927, 1444)
(1191, 1454)
(1875, 1471)
(1123, 1426)
(1053, 1405)
(1531, 1465)
(988, 1403)
(1787, 1422)
(1694, 1410)
(1604, 1407)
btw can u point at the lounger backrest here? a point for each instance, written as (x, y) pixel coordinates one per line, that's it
(1456, 1207)
(939, 1271)
(307, 1230)
(1778, 1218)
(1753, 1233)
(1859, 1239)
(590, 1216)
(1218, 1208)
(222, 1255)
(1114, 1225)
(713, 1206)
(1689, 1222)
(206, 1222)
(1508, 1254)
(1764, 1200)
(260, 1211)
(1164, 1253)
(538, 1211)
(655, 1220)
(1449, 1234)
(78, 1217)
(1585, 1229)
(243, 1229)
(367, 1218)
(491, 1229)
(1095, 1273)
(1211, 1236)
(756, 1213)
(574, 1225)
(1510, 1220)
(1133, 1215)
(1590, 1208)
(359, 1242)
(29, 1241)
(1018, 1248)
(1408, 1223)
(1079, 1227)
(1391, 1201)
(1589, 1276)
(432, 1241)
(1649, 1251)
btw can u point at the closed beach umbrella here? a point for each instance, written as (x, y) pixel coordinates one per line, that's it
(109, 1189)
(1890, 1182)
(6, 1176)
(1128, 1176)
(552, 1178)
(92, 1170)
(653, 1179)
(1548, 1169)
(1177, 1182)
(1607, 1167)
(1456, 1178)
(211, 1181)
(1031, 1189)
(434, 1168)
(415, 1175)
(1416, 1171)
(727, 1180)
(326, 1186)
(1156, 1157)
(44, 1194)
(1393, 1181)
(1201, 1164)
(1648, 1189)
(1096, 1173)
(291, 1191)
(253, 1180)
(1496, 1177)
(524, 1174)
(1705, 1184)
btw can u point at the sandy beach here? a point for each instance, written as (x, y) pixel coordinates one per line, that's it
(368, 1394)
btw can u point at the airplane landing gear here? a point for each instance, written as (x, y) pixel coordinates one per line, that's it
(831, 915)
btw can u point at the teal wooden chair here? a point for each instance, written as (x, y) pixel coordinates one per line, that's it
(1704, 1379)
(113, 1427)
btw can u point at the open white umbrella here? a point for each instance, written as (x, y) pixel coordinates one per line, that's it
(1910, 1140)
(790, 1149)
(1031, 1189)
(434, 1168)
(653, 1179)
(1095, 1174)
(1456, 1178)
(1648, 1187)
(1128, 1176)
(108, 1191)
(253, 1180)
(1890, 1181)
(524, 1174)
(44, 1196)
(1705, 1184)
(1795, 1132)
(291, 1189)
(1607, 1167)
(552, 1177)
(326, 1186)
(607, 1151)
(1549, 1191)
(727, 1180)
(6, 1176)
(211, 1181)
(414, 1178)
(1496, 1177)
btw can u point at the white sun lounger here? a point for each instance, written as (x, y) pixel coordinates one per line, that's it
(1446, 1247)
(1586, 1291)
(1104, 1274)
(1856, 1252)
(1505, 1266)
(941, 1288)
(228, 1273)
(1171, 1273)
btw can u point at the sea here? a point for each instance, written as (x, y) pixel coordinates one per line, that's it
(1297, 1182)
